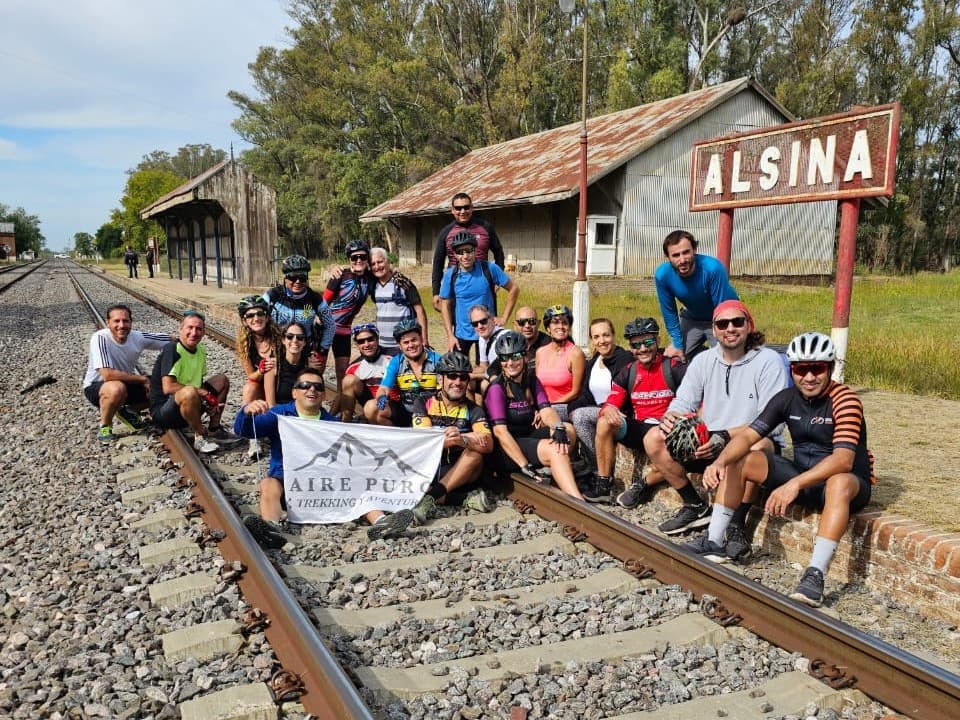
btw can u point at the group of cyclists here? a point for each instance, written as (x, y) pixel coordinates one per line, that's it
(530, 401)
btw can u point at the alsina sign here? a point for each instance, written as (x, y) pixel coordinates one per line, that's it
(851, 154)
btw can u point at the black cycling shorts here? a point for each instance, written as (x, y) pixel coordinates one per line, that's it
(136, 393)
(780, 471)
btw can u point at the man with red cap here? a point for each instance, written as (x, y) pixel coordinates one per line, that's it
(729, 385)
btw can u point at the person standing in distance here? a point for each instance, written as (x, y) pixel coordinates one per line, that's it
(461, 207)
(697, 282)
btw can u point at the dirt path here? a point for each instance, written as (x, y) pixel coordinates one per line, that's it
(916, 445)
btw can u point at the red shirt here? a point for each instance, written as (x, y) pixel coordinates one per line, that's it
(650, 395)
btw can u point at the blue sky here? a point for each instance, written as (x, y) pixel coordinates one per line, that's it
(88, 87)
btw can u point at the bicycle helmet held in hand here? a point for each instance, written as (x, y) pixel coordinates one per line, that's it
(355, 246)
(557, 311)
(510, 342)
(453, 362)
(811, 347)
(252, 302)
(296, 264)
(641, 326)
(405, 326)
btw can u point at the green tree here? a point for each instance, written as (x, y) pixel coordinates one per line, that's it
(26, 230)
(143, 187)
(83, 243)
(109, 238)
(188, 162)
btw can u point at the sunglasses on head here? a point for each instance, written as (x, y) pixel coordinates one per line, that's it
(299, 337)
(194, 313)
(254, 314)
(645, 343)
(462, 377)
(723, 323)
(461, 208)
(297, 278)
(309, 385)
(512, 356)
(478, 323)
(529, 322)
(359, 257)
(800, 369)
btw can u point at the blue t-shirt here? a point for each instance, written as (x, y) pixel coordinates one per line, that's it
(700, 293)
(471, 288)
(267, 426)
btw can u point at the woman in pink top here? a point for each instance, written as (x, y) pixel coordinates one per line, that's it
(561, 365)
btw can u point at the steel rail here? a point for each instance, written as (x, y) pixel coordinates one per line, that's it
(841, 655)
(327, 690)
(30, 269)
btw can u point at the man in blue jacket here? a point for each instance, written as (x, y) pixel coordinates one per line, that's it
(699, 283)
(257, 420)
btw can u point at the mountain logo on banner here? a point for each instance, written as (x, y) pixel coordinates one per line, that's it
(342, 452)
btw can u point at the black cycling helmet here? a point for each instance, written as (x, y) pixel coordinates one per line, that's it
(557, 311)
(510, 342)
(295, 264)
(453, 362)
(463, 238)
(252, 302)
(405, 326)
(355, 246)
(641, 326)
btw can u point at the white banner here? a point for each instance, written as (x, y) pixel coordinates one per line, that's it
(336, 472)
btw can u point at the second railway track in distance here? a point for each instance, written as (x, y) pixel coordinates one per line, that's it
(517, 613)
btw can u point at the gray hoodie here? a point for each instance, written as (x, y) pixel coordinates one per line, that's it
(731, 394)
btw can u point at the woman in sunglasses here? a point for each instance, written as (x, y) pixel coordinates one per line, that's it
(293, 360)
(514, 400)
(346, 292)
(258, 344)
(560, 363)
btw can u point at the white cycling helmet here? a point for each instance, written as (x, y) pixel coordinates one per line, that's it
(811, 347)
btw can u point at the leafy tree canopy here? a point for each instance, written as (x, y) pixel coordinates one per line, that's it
(26, 231)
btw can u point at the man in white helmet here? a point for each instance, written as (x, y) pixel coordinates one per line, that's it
(832, 470)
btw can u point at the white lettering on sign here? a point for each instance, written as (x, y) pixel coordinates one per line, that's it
(850, 154)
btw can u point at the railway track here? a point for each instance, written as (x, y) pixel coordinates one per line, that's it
(544, 608)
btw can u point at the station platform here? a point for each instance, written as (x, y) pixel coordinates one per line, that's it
(909, 560)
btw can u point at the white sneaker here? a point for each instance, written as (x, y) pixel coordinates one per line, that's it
(202, 445)
(253, 449)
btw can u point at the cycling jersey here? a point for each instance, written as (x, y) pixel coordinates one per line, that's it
(403, 382)
(310, 309)
(518, 410)
(818, 425)
(346, 296)
(466, 417)
(650, 395)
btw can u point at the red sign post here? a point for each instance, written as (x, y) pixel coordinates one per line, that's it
(843, 157)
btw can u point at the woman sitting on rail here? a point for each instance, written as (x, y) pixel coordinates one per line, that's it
(606, 360)
(294, 359)
(560, 363)
(513, 401)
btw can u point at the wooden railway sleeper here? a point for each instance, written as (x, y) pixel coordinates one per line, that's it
(832, 675)
(232, 572)
(714, 609)
(574, 534)
(286, 686)
(639, 569)
(253, 620)
(193, 509)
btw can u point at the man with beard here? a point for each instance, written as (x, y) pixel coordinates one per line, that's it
(699, 283)
(467, 439)
(729, 385)
(831, 471)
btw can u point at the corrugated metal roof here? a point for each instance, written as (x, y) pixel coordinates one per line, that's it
(184, 193)
(545, 167)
